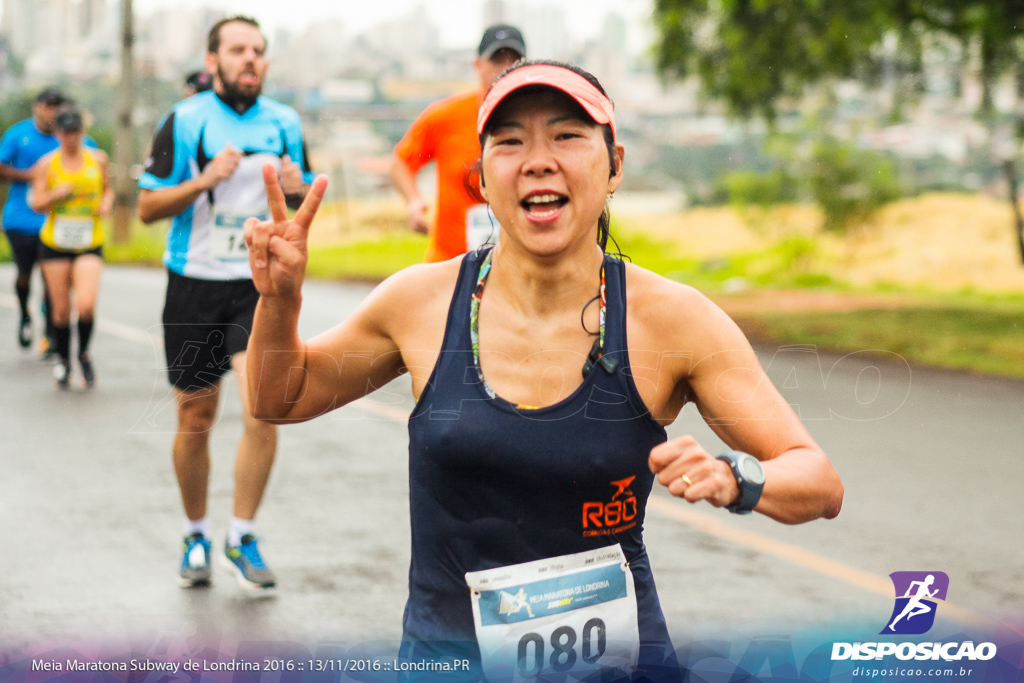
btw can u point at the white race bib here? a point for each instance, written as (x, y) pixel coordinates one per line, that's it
(482, 227)
(227, 237)
(73, 232)
(570, 615)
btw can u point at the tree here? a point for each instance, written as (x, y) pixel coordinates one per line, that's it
(124, 131)
(754, 54)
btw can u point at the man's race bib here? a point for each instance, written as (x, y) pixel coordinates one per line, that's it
(482, 227)
(227, 237)
(73, 232)
(570, 615)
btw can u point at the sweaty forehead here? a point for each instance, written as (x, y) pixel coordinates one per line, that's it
(541, 100)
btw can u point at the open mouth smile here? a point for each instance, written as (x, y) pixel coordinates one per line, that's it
(543, 204)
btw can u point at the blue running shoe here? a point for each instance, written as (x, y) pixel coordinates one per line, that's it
(195, 562)
(247, 565)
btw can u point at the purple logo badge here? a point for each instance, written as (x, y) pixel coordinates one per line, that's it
(917, 594)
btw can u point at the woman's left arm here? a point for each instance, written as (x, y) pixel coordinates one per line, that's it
(725, 381)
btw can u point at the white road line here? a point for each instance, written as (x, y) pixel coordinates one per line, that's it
(130, 333)
(154, 336)
(111, 327)
(872, 583)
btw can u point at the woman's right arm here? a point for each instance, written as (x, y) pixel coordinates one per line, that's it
(291, 380)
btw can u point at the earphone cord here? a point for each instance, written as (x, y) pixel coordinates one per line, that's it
(583, 323)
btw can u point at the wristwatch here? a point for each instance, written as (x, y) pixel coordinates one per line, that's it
(750, 478)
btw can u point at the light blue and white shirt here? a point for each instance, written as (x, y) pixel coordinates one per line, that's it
(205, 241)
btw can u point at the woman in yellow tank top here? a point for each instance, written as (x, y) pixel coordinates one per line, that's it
(72, 187)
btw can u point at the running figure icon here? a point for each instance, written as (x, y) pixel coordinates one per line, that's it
(512, 604)
(916, 605)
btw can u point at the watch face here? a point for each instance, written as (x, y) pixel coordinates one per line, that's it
(751, 470)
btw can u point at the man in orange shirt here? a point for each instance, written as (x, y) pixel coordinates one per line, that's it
(446, 134)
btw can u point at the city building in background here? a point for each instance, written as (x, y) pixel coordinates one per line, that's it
(359, 91)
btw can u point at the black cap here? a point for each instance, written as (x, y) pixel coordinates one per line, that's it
(199, 81)
(69, 119)
(499, 36)
(52, 96)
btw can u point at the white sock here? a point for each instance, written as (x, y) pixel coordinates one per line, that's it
(201, 526)
(239, 528)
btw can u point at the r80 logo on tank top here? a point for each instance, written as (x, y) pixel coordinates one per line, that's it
(614, 516)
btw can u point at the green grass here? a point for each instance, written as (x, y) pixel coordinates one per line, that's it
(967, 330)
(146, 247)
(964, 298)
(785, 265)
(378, 257)
(980, 339)
(367, 259)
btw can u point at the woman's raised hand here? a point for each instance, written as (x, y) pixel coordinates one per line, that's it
(277, 248)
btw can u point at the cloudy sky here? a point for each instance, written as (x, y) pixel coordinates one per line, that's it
(458, 20)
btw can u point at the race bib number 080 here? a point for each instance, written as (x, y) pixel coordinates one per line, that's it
(572, 615)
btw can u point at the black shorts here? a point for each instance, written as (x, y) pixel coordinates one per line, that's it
(25, 247)
(206, 322)
(48, 253)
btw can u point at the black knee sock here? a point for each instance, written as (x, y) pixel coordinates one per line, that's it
(84, 335)
(48, 312)
(22, 291)
(62, 340)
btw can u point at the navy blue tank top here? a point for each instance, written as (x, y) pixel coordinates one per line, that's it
(493, 485)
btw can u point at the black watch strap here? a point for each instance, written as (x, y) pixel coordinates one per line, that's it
(749, 477)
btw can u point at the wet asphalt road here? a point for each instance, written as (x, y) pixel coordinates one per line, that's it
(931, 460)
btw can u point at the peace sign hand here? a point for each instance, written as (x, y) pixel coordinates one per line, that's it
(277, 248)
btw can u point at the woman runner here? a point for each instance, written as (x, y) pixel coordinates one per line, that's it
(72, 187)
(545, 371)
